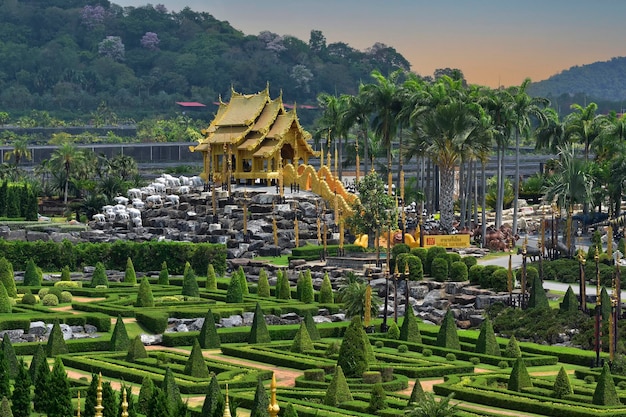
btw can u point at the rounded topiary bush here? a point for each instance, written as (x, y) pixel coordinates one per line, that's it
(379, 344)
(421, 253)
(427, 353)
(485, 275)
(458, 271)
(68, 284)
(474, 360)
(532, 273)
(469, 261)
(50, 300)
(433, 253)
(66, 297)
(43, 292)
(372, 377)
(314, 375)
(439, 269)
(589, 379)
(403, 348)
(499, 280)
(451, 357)
(452, 257)
(29, 299)
(503, 364)
(474, 273)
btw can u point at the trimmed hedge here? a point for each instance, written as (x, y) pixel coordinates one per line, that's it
(312, 252)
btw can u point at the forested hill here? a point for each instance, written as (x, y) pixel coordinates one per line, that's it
(69, 56)
(598, 81)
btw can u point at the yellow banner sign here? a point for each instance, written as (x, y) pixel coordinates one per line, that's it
(447, 241)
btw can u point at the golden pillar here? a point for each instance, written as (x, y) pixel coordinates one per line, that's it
(273, 408)
(78, 404)
(358, 162)
(609, 241)
(226, 405)
(124, 403)
(99, 408)
(389, 183)
(367, 309)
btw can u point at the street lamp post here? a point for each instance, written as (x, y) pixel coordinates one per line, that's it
(582, 289)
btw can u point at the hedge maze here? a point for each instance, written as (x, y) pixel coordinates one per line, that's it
(337, 369)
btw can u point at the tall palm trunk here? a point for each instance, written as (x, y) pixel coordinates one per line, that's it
(67, 182)
(484, 205)
(517, 184)
(366, 151)
(500, 197)
(447, 198)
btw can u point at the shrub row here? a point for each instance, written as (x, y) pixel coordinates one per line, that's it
(146, 256)
(276, 356)
(398, 383)
(312, 252)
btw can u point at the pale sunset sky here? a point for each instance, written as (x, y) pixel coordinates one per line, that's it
(494, 42)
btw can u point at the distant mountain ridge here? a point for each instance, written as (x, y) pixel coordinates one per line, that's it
(602, 80)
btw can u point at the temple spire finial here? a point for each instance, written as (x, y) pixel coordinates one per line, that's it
(99, 408)
(273, 408)
(226, 405)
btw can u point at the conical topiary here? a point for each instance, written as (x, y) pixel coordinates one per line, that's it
(171, 390)
(5, 300)
(190, 283)
(302, 341)
(378, 398)
(393, 332)
(562, 384)
(243, 281)
(338, 390)
(144, 294)
(307, 294)
(211, 278)
(214, 401)
(65, 274)
(486, 342)
(99, 277)
(260, 403)
(417, 394)
(448, 336)
(38, 358)
(5, 380)
(354, 353)
(519, 377)
(56, 343)
(311, 327)
(60, 404)
(258, 331)
(512, 349)
(605, 393)
(538, 297)
(136, 350)
(7, 277)
(5, 408)
(209, 338)
(130, 277)
(164, 275)
(196, 366)
(570, 301)
(290, 411)
(41, 383)
(234, 294)
(263, 286)
(409, 331)
(20, 399)
(326, 291)
(606, 304)
(119, 339)
(283, 290)
(145, 394)
(9, 355)
(31, 277)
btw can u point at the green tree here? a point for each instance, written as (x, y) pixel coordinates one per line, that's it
(209, 338)
(159, 404)
(5, 407)
(190, 283)
(605, 393)
(486, 342)
(302, 341)
(263, 286)
(67, 156)
(448, 336)
(5, 301)
(307, 295)
(130, 276)
(326, 291)
(196, 366)
(7, 278)
(164, 275)
(354, 352)
(99, 276)
(65, 274)
(171, 391)
(260, 403)
(283, 290)
(417, 394)
(42, 381)
(90, 397)
(338, 390)
(120, 342)
(258, 331)
(562, 384)
(56, 343)
(144, 294)
(512, 349)
(538, 297)
(213, 405)
(145, 395)
(39, 357)
(242, 279)
(59, 396)
(130, 400)
(10, 356)
(393, 332)
(109, 400)
(290, 411)
(136, 350)
(311, 327)
(5, 380)
(519, 377)
(353, 293)
(378, 398)
(31, 277)
(570, 301)
(234, 294)
(431, 407)
(409, 331)
(211, 278)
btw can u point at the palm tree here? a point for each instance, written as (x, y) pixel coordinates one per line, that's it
(20, 151)
(66, 156)
(331, 123)
(385, 105)
(584, 125)
(525, 107)
(551, 135)
(357, 113)
(430, 407)
(352, 293)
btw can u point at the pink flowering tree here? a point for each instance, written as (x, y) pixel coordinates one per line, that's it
(150, 41)
(92, 16)
(112, 47)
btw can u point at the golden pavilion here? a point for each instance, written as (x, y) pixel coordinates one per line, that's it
(252, 137)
